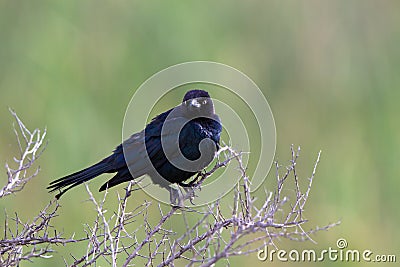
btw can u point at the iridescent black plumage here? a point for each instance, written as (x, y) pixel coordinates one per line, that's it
(146, 145)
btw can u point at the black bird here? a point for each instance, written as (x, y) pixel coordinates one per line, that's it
(181, 129)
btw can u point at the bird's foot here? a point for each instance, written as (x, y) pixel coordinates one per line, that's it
(190, 194)
(178, 197)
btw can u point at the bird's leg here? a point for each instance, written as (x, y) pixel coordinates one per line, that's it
(175, 198)
(178, 197)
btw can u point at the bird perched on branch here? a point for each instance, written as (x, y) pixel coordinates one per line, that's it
(173, 147)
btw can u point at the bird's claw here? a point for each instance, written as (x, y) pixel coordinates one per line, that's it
(190, 194)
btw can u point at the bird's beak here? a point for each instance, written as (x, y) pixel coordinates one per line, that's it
(195, 103)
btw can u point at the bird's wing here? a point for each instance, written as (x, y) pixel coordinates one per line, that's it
(144, 150)
(160, 142)
(134, 154)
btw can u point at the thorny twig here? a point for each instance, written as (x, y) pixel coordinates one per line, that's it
(27, 240)
(31, 145)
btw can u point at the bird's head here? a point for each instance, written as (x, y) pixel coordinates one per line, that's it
(198, 103)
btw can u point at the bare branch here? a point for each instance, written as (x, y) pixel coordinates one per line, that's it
(31, 147)
(29, 240)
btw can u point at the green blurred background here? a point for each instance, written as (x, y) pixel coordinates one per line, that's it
(329, 69)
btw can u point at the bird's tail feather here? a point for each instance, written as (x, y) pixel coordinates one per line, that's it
(79, 177)
(120, 177)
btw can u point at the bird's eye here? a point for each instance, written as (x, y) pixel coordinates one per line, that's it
(204, 102)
